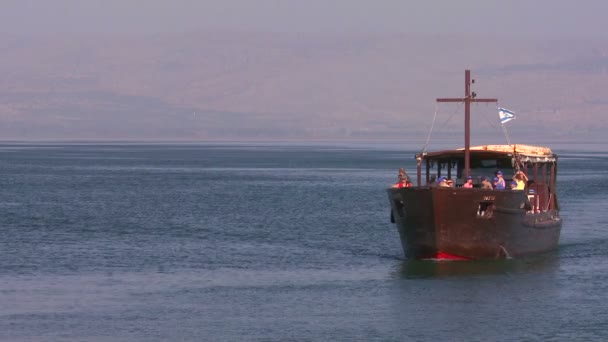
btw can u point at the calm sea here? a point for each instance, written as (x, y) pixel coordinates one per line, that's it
(258, 242)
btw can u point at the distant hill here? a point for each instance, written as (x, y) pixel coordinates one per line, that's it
(231, 85)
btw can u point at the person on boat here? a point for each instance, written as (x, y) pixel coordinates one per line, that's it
(403, 180)
(499, 182)
(442, 182)
(485, 183)
(513, 185)
(521, 180)
(402, 173)
(468, 183)
(402, 183)
(450, 183)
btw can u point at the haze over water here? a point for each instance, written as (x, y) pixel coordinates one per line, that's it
(228, 242)
(200, 70)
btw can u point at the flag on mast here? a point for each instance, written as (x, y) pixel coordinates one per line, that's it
(505, 115)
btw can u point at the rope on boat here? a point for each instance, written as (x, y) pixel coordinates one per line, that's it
(505, 252)
(549, 202)
(490, 123)
(504, 129)
(428, 137)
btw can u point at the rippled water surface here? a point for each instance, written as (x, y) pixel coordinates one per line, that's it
(229, 242)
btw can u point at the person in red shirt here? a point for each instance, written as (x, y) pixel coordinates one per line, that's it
(468, 183)
(403, 180)
(402, 183)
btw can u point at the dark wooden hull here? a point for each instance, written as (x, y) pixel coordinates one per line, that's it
(471, 223)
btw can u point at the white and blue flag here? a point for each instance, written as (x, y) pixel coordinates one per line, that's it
(505, 115)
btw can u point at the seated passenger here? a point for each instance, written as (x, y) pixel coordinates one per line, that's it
(499, 182)
(468, 183)
(450, 183)
(443, 182)
(513, 185)
(485, 183)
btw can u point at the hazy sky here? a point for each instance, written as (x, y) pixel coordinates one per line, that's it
(504, 17)
(148, 87)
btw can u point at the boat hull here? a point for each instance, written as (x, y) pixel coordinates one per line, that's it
(458, 223)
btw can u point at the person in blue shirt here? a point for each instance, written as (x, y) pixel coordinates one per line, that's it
(499, 183)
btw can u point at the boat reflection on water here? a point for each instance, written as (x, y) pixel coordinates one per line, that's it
(429, 268)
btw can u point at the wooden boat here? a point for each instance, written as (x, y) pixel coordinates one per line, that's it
(474, 223)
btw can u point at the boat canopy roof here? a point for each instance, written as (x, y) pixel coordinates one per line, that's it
(524, 153)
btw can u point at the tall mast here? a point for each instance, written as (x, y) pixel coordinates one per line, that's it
(468, 98)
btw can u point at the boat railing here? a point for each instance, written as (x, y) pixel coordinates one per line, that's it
(541, 198)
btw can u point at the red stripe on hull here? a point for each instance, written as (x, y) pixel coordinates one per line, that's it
(446, 256)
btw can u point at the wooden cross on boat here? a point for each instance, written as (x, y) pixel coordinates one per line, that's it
(468, 98)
